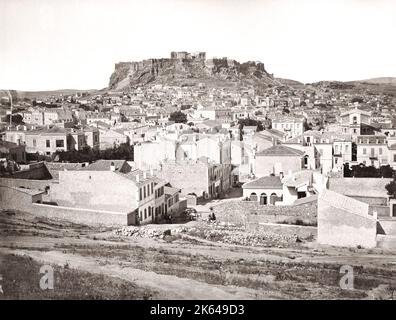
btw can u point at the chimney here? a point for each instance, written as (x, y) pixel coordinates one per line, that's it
(112, 166)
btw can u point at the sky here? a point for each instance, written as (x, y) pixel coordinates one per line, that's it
(74, 44)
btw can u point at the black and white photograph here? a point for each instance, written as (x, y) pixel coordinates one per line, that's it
(219, 151)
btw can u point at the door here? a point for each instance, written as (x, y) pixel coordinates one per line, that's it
(263, 199)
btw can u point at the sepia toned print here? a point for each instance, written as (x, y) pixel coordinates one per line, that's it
(197, 150)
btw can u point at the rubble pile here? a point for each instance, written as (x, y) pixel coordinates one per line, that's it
(147, 232)
(239, 237)
(217, 232)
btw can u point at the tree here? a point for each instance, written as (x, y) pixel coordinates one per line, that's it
(357, 99)
(16, 119)
(251, 122)
(178, 117)
(391, 188)
(124, 152)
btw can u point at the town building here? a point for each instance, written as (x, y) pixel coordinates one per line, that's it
(278, 160)
(202, 177)
(292, 126)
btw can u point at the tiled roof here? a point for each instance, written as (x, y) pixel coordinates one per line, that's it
(104, 165)
(268, 182)
(171, 190)
(279, 150)
(133, 174)
(55, 167)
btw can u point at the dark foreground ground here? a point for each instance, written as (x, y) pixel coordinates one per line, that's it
(94, 263)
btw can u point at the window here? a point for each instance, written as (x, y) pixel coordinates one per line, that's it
(346, 148)
(34, 143)
(354, 131)
(48, 143)
(140, 194)
(380, 150)
(144, 192)
(364, 150)
(145, 214)
(60, 143)
(394, 158)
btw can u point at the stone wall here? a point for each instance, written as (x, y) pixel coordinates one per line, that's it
(343, 221)
(14, 199)
(188, 178)
(84, 216)
(26, 183)
(99, 190)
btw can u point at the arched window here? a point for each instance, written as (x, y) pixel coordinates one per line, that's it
(253, 197)
(273, 198)
(263, 199)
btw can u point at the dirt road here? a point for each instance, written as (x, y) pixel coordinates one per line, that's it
(193, 268)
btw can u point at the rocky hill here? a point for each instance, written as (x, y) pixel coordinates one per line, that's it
(189, 70)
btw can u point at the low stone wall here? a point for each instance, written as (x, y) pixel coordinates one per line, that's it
(84, 216)
(344, 221)
(11, 198)
(26, 183)
(372, 201)
(14, 199)
(254, 207)
(382, 211)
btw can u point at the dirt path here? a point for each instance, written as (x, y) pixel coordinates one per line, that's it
(171, 287)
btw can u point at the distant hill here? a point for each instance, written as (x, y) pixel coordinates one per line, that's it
(289, 82)
(185, 69)
(21, 95)
(381, 80)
